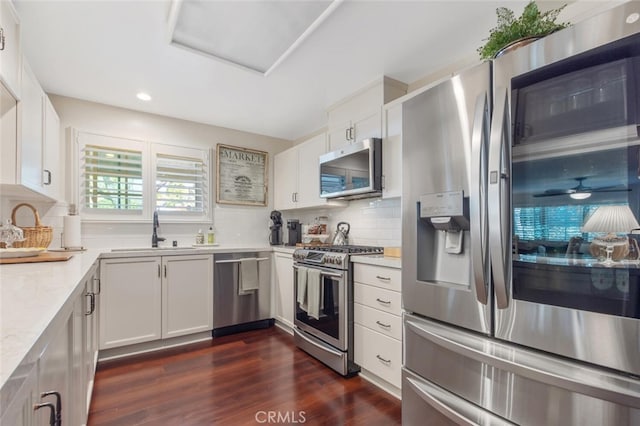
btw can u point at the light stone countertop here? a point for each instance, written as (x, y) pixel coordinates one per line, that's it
(32, 295)
(379, 260)
(36, 297)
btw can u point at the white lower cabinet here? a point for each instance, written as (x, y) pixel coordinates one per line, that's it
(56, 378)
(378, 322)
(150, 298)
(283, 288)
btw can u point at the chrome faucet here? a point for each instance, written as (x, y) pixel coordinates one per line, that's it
(156, 225)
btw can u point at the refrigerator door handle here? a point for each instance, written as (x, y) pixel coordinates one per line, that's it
(450, 406)
(498, 198)
(564, 375)
(477, 197)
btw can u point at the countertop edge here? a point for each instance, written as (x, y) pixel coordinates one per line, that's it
(378, 260)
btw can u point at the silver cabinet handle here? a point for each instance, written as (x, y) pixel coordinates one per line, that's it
(1, 38)
(477, 198)
(346, 133)
(165, 271)
(58, 409)
(498, 197)
(92, 303)
(383, 324)
(386, 302)
(159, 271)
(386, 361)
(52, 412)
(95, 279)
(47, 181)
(383, 278)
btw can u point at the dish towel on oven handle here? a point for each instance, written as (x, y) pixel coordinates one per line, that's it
(314, 293)
(301, 289)
(249, 281)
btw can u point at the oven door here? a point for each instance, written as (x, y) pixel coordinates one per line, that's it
(330, 325)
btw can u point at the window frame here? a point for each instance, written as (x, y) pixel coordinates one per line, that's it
(149, 151)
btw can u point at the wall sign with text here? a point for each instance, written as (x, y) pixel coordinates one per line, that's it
(241, 176)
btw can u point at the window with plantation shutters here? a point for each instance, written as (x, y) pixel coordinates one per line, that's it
(112, 178)
(180, 184)
(127, 180)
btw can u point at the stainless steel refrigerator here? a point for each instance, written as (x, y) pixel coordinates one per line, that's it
(520, 308)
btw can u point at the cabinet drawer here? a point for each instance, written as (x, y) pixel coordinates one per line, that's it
(383, 322)
(378, 298)
(378, 354)
(380, 276)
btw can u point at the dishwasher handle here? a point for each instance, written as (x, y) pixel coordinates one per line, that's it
(259, 259)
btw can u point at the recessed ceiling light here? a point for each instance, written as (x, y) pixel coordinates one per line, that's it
(143, 96)
(632, 18)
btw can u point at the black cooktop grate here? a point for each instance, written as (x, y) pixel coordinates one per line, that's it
(350, 249)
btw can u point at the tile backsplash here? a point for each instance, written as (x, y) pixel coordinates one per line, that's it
(373, 222)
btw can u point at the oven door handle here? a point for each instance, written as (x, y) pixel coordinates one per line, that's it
(326, 274)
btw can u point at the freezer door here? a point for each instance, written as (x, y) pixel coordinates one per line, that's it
(522, 386)
(444, 218)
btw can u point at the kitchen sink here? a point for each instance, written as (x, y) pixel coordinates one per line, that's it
(152, 248)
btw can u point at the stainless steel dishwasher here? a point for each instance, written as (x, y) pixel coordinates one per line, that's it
(235, 310)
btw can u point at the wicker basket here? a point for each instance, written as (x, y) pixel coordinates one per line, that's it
(35, 236)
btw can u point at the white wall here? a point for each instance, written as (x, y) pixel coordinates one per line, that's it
(233, 224)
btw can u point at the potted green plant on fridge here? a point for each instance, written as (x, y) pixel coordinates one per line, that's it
(512, 32)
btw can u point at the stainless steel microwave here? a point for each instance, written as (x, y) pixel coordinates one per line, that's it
(354, 171)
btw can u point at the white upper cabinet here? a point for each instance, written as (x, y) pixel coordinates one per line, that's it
(296, 176)
(31, 151)
(32, 131)
(10, 48)
(359, 116)
(392, 151)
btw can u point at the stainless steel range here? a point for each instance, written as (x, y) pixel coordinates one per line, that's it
(323, 289)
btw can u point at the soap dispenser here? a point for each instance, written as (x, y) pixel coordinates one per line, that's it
(211, 238)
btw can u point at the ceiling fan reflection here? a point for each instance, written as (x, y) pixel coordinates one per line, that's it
(581, 191)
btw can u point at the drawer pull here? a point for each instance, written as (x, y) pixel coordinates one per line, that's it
(386, 302)
(383, 325)
(386, 361)
(383, 278)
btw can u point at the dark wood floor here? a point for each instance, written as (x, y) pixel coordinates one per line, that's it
(256, 377)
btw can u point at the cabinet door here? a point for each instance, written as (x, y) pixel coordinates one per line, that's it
(187, 295)
(309, 153)
(339, 135)
(392, 152)
(52, 177)
(10, 54)
(130, 301)
(368, 127)
(283, 293)
(19, 410)
(285, 179)
(31, 109)
(8, 136)
(54, 367)
(90, 340)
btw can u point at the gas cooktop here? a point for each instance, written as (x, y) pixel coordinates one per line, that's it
(350, 249)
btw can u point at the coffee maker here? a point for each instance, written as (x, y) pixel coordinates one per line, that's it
(295, 232)
(275, 238)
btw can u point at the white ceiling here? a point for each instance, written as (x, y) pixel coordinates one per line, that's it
(107, 51)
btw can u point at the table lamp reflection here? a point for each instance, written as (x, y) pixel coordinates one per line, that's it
(611, 220)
